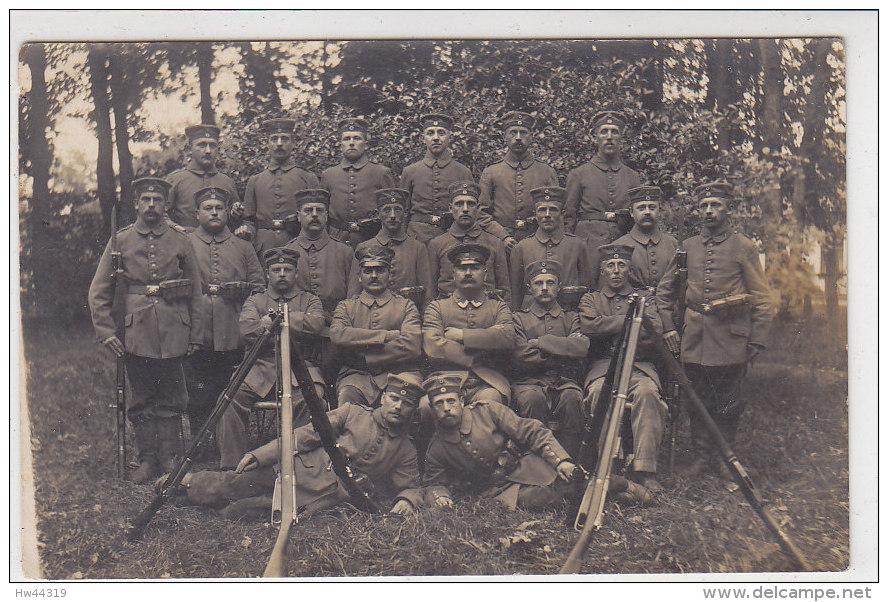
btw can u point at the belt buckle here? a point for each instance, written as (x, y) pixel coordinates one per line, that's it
(152, 290)
(214, 289)
(277, 224)
(706, 307)
(353, 227)
(520, 224)
(434, 220)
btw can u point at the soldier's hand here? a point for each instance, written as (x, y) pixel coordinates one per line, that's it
(244, 231)
(265, 322)
(454, 334)
(566, 469)
(237, 210)
(673, 342)
(752, 351)
(443, 502)
(402, 507)
(533, 343)
(115, 345)
(247, 463)
(509, 242)
(391, 335)
(193, 348)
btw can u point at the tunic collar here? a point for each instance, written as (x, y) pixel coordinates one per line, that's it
(159, 229)
(625, 291)
(463, 303)
(384, 238)
(600, 162)
(369, 300)
(455, 231)
(306, 243)
(442, 161)
(276, 296)
(719, 237)
(359, 164)
(194, 167)
(643, 238)
(556, 236)
(512, 161)
(540, 311)
(287, 166)
(205, 236)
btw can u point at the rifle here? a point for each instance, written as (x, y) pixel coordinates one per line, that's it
(119, 311)
(681, 262)
(738, 472)
(597, 486)
(277, 563)
(175, 477)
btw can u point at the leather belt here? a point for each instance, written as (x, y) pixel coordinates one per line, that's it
(151, 290)
(274, 224)
(211, 289)
(591, 217)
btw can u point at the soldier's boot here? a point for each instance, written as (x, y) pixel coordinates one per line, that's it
(146, 440)
(169, 441)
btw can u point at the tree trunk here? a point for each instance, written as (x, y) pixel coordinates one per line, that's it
(205, 75)
(771, 126)
(829, 255)
(259, 86)
(719, 92)
(98, 75)
(652, 75)
(120, 104)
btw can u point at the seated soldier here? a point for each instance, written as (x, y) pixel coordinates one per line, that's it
(602, 314)
(377, 331)
(492, 449)
(306, 322)
(468, 331)
(548, 350)
(375, 441)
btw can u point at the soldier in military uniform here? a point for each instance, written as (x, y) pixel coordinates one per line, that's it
(269, 202)
(377, 331)
(375, 441)
(306, 323)
(468, 331)
(506, 186)
(550, 242)
(547, 356)
(410, 266)
(478, 444)
(465, 207)
(727, 319)
(602, 314)
(598, 189)
(161, 318)
(201, 171)
(229, 273)
(353, 183)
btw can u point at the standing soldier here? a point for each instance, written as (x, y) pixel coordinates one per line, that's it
(410, 266)
(353, 183)
(548, 350)
(229, 273)
(162, 323)
(727, 317)
(468, 331)
(379, 332)
(600, 188)
(464, 207)
(306, 322)
(203, 141)
(269, 202)
(506, 186)
(551, 243)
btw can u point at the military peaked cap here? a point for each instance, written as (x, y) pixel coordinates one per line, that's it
(542, 266)
(211, 192)
(441, 383)
(279, 126)
(469, 253)
(436, 120)
(518, 118)
(645, 193)
(548, 193)
(195, 132)
(392, 196)
(353, 124)
(608, 118)
(280, 255)
(612, 251)
(719, 189)
(464, 188)
(405, 384)
(312, 195)
(151, 184)
(374, 255)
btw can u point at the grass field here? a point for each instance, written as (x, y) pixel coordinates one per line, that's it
(793, 443)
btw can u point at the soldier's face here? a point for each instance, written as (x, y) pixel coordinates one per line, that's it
(375, 278)
(392, 217)
(437, 139)
(714, 211)
(212, 215)
(646, 213)
(548, 215)
(353, 145)
(282, 276)
(610, 140)
(469, 277)
(151, 207)
(517, 139)
(544, 288)
(281, 145)
(205, 152)
(448, 408)
(313, 217)
(616, 272)
(396, 409)
(464, 210)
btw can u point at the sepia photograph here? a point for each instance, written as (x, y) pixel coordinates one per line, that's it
(433, 305)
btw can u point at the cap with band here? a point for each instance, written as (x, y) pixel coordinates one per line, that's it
(438, 120)
(151, 184)
(374, 255)
(279, 126)
(519, 118)
(211, 192)
(280, 255)
(645, 193)
(542, 266)
(468, 254)
(407, 385)
(719, 189)
(196, 132)
(353, 124)
(612, 251)
(442, 383)
(312, 195)
(392, 196)
(464, 188)
(548, 193)
(608, 118)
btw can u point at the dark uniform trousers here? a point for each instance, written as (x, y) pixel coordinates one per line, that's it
(352, 188)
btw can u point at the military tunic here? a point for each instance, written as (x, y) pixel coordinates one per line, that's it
(650, 256)
(269, 197)
(442, 270)
(506, 186)
(572, 252)
(359, 328)
(352, 190)
(324, 267)
(427, 181)
(375, 448)
(481, 452)
(410, 266)
(592, 190)
(185, 183)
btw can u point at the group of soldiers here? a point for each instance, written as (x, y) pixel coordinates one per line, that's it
(431, 311)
